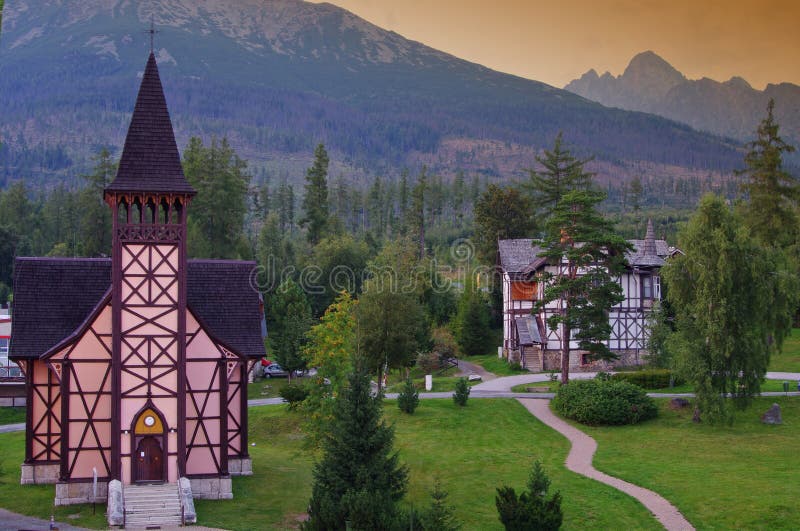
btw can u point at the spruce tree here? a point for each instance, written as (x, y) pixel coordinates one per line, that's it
(532, 509)
(561, 173)
(587, 256)
(771, 212)
(315, 200)
(439, 516)
(471, 323)
(359, 480)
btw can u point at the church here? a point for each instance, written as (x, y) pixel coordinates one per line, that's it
(136, 366)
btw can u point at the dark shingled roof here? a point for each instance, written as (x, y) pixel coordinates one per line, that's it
(150, 160)
(54, 296)
(517, 255)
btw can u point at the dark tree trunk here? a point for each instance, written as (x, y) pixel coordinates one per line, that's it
(565, 340)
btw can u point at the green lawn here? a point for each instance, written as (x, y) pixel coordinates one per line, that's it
(495, 365)
(440, 384)
(12, 415)
(37, 500)
(439, 440)
(267, 387)
(789, 359)
(740, 477)
(766, 386)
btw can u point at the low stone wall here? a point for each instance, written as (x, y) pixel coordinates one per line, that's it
(627, 358)
(39, 473)
(212, 488)
(72, 493)
(240, 466)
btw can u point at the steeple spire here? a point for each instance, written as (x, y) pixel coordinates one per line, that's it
(650, 240)
(150, 161)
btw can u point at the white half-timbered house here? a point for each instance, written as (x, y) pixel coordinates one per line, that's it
(526, 336)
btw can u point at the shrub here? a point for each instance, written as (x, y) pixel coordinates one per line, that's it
(408, 399)
(515, 366)
(293, 394)
(428, 362)
(439, 516)
(598, 402)
(461, 393)
(649, 379)
(532, 509)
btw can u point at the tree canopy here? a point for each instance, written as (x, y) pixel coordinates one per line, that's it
(734, 302)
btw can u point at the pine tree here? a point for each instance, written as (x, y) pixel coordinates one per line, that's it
(500, 213)
(292, 320)
(315, 200)
(588, 256)
(562, 173)
(417, 214)
(95, 214)
(439, 516)
(359, 480)
(771, 212)
(471, 323)
(532, 509)
(734, 300)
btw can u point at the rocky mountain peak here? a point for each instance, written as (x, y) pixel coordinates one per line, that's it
(649, 71)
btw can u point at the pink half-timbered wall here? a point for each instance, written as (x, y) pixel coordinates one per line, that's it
(149, 351)
(83, 371)
(45, 406)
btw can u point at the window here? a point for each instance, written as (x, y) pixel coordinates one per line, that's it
(647, 287)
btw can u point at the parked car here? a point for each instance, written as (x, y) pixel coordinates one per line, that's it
(274, 370)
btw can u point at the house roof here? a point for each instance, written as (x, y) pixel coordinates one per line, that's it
(517, 255)
(53, 297)
(520, 256)
(150, 161)
(527, 331)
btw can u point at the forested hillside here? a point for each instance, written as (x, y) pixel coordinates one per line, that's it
(278, 77)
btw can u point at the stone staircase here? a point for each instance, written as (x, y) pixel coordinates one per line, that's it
(152, 506)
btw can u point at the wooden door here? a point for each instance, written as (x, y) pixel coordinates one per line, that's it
(149, 460)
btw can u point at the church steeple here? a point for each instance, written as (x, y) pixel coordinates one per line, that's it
(150, 161)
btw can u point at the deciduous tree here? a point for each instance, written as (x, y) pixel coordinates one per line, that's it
(292, 319)
(734, 300)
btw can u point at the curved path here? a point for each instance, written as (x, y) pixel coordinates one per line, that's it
(579, 461)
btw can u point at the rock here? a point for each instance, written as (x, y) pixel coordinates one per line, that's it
(773, 415)
(116, 506)
(678, 403)
(474, 377)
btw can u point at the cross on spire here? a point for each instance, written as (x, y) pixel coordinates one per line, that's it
(152, 31)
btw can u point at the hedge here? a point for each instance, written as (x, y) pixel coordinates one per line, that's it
(649, 378)
(604, 403)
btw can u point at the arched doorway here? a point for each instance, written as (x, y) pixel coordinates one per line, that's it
(149, 445)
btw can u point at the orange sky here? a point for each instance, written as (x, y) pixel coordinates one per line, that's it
(557, 40)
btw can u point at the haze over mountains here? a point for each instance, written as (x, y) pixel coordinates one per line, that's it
(731, 108)
(278, 76)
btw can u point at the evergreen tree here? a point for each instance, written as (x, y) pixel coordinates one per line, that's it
(315, 200)
(561, 173)
(359, 480)
(587, 256)
(417, 214)
(408, 398)
(275, 254)
(532, 509)
(734, 301)
(403, 200)
(500, 214)
(771, 212)
(95, 232)
(217, 213)
(439, 516)
(292, 319)
(471, 322)
(461, 392)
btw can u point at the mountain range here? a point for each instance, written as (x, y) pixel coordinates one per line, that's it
(731, 108)
(278, 76)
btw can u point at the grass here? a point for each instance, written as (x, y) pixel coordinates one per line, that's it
(766, 387)
(12, 415)
(720, 477)
(267, 387)
(495, 365)
(789, 359)
(37, 500)
(438, 441)
(440, 384)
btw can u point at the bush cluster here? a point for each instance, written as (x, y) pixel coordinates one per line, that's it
(294, 394)
(649, 379)
(599, 402)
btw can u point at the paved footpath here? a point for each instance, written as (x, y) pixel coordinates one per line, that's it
(579, 461)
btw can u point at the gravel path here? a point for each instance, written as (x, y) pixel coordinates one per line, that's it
(466, 368)
(13, 522)
(579, 461)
